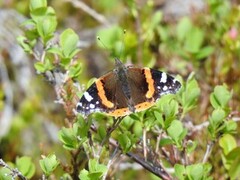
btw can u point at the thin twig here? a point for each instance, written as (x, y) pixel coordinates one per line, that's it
(208, 151)
(206, 123)
(145, 144)
(99, 17)
(111, 161)
(14, 171)
(114, 126)
(75, 163)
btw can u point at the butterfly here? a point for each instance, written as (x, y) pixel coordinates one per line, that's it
(126, 90)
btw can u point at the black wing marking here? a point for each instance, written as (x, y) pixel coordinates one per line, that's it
(164, 83)
(90, 101)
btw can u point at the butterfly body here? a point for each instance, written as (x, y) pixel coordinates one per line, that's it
(126, 90)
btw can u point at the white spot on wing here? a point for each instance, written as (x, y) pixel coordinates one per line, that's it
(97, 102)
(92, 106)
(79, 104)
(87, 96)
(165, 88)
(163, 78)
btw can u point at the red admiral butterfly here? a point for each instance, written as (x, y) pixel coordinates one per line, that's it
(126, 90)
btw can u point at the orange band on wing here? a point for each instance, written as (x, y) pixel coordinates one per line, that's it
(150, 82)
(126, 111)
(120, 112)
(143, 106)
(101, 94)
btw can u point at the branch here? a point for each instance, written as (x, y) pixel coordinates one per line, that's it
(14, 171)
(206, 123)
(99, 17)
(208, 151)
(153, 168)
(158, 170)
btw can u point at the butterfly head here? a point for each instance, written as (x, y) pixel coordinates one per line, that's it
(119, 66)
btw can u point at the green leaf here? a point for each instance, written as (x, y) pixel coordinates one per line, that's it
(166, 141)
(128, 121)
(194, 40)
(191, 146)
(195, 171)
(220, 97)
(5, 174)
(40, 67)
(204, 52)
(164, 33)
(84, 175)
(149, 122)
(68, 43)
(177, 132)
(169, 108)
(46, 27)
(101, 133)
(49, 164)
(75, 71)
(217, 117)
(190, 95)
(26, 166)
(55, 50)
(38, 15)
(82, 126)
(159, 117)
(138, 129)
(180, 171)
(69, 138)
(227, 143)
(35, 4)
(27, 47)
(126, 141)
(156, 19)
(234, 171)
(43, 67)
(230, 127)
(217, 123)
(94, 166)
(96, 170)
(183, 27)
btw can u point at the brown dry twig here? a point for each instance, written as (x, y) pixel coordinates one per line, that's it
(97, 16)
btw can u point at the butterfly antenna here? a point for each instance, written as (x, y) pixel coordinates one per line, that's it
(123, 42)
(99, 39)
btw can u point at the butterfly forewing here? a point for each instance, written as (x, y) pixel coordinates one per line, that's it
(164, 83)
(138, 85)
(113, 91)
(90, 101)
